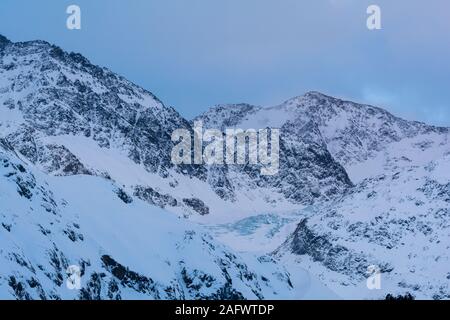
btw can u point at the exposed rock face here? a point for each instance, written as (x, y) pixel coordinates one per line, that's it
(333, 256)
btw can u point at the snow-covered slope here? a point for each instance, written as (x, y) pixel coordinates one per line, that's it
(67, 116)
(86, 179)
(124, 247)
(395, 216)
(399, 222)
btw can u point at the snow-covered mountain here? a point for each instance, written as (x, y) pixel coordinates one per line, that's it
(396, 216)
(353, 133)
(86, 173)
(67, 116)
(86, 179)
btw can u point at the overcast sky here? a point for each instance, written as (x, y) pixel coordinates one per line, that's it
(194, 54)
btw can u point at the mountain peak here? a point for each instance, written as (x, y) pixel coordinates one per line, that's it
(315, 94)
(4, 40)
(309, 97)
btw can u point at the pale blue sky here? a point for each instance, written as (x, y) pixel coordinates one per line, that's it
(197, 53)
